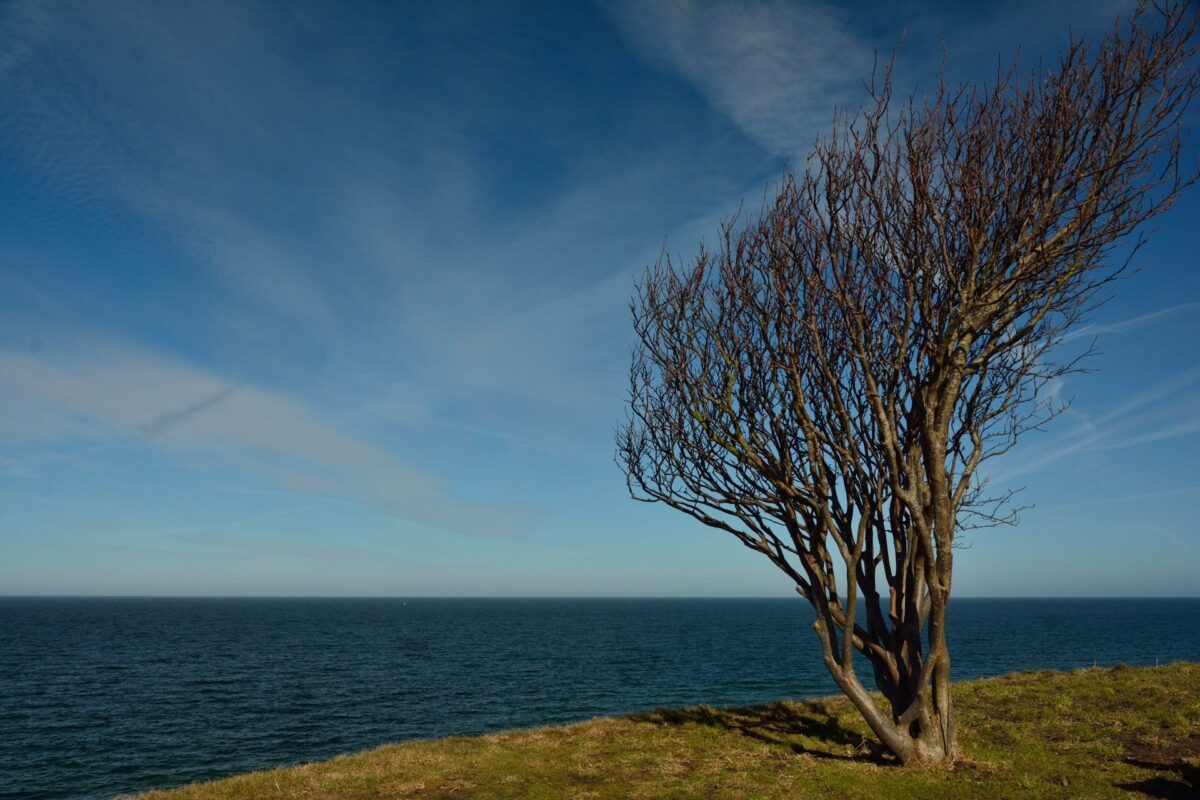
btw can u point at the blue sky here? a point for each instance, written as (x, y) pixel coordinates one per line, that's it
(332, 300)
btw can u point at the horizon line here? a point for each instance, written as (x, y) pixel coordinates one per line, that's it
(36, 596)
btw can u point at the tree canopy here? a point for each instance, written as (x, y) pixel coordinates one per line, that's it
(825, 382)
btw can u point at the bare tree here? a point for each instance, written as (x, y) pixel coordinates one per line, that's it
(826, 382)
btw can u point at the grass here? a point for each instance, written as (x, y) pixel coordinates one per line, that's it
(1126, 732)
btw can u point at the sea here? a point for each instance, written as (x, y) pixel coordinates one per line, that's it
(104, 697)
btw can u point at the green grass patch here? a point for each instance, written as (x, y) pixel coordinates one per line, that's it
(1130, 732)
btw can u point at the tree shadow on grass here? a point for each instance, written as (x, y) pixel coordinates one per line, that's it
(1182, 782)
(804, 728)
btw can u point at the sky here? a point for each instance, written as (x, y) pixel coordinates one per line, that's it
(327, 298)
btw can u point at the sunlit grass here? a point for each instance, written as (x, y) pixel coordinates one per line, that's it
(1103, 733)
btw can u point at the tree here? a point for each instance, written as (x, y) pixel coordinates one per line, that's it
(825, 383)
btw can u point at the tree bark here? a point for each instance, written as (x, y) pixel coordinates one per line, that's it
(920, 726)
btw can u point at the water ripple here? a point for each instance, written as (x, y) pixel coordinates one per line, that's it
(101, 697)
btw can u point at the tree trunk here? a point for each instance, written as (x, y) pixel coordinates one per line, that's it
(927, 709)
(920, 726)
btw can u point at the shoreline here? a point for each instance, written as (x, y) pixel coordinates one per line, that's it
(1044, 734)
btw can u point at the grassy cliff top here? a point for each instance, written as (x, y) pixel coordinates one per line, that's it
(1123, 732)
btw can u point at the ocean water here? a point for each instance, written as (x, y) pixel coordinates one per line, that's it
(100, 697)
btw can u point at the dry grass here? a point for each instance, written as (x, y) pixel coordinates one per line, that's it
(1130, 732)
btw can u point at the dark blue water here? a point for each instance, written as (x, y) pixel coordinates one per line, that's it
(102, 697)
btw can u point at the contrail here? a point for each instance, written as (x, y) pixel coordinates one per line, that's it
(160, 425)
(1133, 323)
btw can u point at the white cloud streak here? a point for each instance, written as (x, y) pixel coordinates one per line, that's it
(1132, 323)
(776, 68)
(115, 393)
(1167, 410)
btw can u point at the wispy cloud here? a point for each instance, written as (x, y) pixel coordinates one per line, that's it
(1132, 323)
(353, 239)
(777, 68)
(1168, 409)
(114, 393)
(1125, 499)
